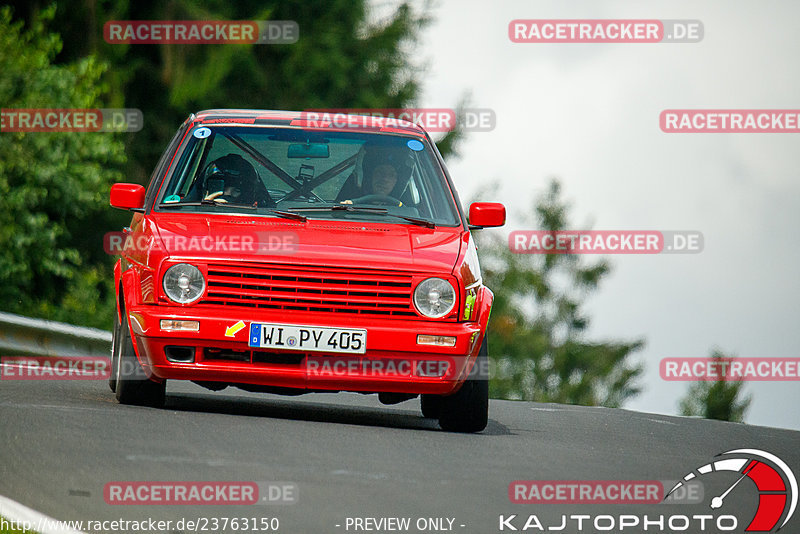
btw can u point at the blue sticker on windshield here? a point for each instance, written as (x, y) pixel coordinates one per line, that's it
(172, 198)
(202, 133)
(415, 145)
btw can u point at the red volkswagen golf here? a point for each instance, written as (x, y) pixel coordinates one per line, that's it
(288, 253)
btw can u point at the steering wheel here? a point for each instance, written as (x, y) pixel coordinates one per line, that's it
(384, 200)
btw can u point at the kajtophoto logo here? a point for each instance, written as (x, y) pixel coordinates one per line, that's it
(774, 491)
(774, 480)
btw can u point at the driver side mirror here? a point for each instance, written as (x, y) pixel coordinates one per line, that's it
(127, 196)
(486, 215)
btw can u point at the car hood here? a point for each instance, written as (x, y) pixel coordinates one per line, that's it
(315, 242)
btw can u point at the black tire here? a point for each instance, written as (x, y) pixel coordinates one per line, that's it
(467, 410)
(431, 405)
(133, 385)
(112, 375)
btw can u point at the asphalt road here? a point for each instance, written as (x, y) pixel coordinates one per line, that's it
(350, 457)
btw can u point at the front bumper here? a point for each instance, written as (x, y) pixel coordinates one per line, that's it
(393, 362)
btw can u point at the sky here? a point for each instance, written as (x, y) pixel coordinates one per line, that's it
(588, 114)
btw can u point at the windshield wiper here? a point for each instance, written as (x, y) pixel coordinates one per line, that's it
(213, 202)
(363, 209)
(288, 215)
(415, 220)
(340, 207)
(205, 203)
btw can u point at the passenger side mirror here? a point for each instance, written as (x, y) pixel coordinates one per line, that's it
(486, 215)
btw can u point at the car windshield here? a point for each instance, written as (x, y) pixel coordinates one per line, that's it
(301, 174)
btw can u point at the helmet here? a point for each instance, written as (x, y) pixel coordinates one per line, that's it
(233, 175)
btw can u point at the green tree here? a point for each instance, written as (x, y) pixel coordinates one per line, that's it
(55, 263)
(51, 184)
(537, 338)
(719, 399)
(341, 60)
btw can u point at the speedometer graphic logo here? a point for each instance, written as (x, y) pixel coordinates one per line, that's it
(775, 482)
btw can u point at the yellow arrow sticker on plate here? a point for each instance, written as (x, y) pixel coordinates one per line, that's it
(231, 330)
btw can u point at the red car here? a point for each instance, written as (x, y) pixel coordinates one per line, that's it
(288, 253)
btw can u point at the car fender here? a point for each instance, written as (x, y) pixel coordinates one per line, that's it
(130, 297)
(485, 300)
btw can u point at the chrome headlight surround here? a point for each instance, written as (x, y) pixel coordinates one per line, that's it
(183, 283)
(434, 298)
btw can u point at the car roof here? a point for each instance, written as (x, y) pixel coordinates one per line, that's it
(322, 119)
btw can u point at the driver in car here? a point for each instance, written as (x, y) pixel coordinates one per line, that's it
(381, 181)
(238, 178)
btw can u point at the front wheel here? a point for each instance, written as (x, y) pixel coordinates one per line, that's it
(133, 386)
(467, 410)
(112, 375)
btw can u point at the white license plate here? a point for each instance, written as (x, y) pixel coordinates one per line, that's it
(308, 338)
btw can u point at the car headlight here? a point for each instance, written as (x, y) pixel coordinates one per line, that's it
(434, 298)
(184, 283)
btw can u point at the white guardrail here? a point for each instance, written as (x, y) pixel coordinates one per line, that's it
(24, 336)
